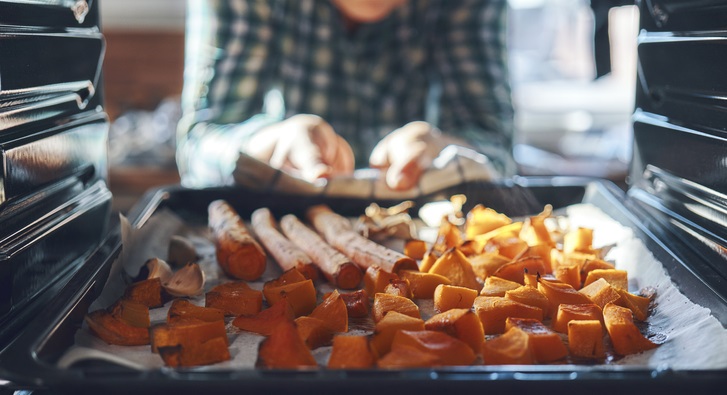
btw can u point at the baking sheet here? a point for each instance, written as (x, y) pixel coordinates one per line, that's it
(691, 338)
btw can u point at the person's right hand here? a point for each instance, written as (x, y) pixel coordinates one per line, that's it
(304, 145)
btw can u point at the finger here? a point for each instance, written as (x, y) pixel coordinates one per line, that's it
(343, 162)
(302, 155)
(406, 170)
(379, 157)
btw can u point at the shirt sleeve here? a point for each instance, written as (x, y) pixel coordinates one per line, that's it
(470, 58)
(228, 60)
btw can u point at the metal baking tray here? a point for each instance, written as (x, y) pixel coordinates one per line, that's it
(35, 351)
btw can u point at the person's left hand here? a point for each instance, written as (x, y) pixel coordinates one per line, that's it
(406, 152)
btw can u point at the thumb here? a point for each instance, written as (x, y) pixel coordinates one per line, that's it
(405, 171)
(308, 160)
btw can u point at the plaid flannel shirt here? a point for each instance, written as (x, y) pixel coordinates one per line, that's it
(250, 63)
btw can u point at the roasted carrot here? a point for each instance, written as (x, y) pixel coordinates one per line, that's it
(339, 233)
(337, 268)
(238, 253)
(286, 253)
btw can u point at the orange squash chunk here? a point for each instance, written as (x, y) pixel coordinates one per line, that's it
(530, 296)
(578, 240)
(399, 287)
(147, 292)
(585, 339)
(116, 331)
(515, 270)
(485, 264)
(542, 251)
(618, 279)
(448, 350)
(288, 277)
(314, 332)
(448, 297)
(385, 330)
(593, 264)
(415, 248)
(455, 266)
(560, 293)
(186, 333)
(235, 298)
(481, 220)
(376, 279)
(510, 348)
(357, 303)
(384, 303)
(407, 357)
(571, 312)
(625, 335)
(266, 320)
(545, 345)
(212, 351)
(132, 313)
(333, 312)
(284, 349)
(600, 292)
(184, 309)
(506, 232)
(494, 310)
(301, 295)
(462, 324)
(638, 305)
(351, 352)
(423, 284)
(506, 245)
(569, 274)
(496, 286)
(535, 232)
(428, 260)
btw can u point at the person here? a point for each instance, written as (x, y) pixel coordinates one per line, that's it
(322, 87)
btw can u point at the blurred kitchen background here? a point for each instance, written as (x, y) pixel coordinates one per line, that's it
(569, 120)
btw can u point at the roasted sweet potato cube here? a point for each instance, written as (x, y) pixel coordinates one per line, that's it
(333, 312)
(399, 287)
(235, 298)
(183, 309)
(496, 286)
(415, 248)
(301, 295)
(600, 292)
(481, 220)
(116, 331)
(625, 335)
(585, 339)
(186, 333)
(462, 324)
(147, 292)
(266, 320)
(284, 349)
(570, 312)
(639, 305)
(485, 264)
(494, 310)
(450, 351)
(134, 314)
(288, 277)
(376, 279)
(357, 303)
(423, 284)
(618, 279)
(383, 303)
(314, 332)
(515, 270)
(455, 266)
(545, 345)
(560, 293)
(569, 274)
(385, 330)
(448, 297)
(196, 354)
(407, 357)
(530, 296)
(510, 348)
(351, 352)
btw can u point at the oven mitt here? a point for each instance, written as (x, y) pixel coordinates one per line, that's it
(454, 166)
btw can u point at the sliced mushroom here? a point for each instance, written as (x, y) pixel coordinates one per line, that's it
(156, 267)
(187, 281)
(181, 251)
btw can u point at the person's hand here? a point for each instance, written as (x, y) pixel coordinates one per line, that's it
(406, 152)
(304, 145)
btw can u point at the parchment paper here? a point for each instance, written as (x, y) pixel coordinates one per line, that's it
(691, 338)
